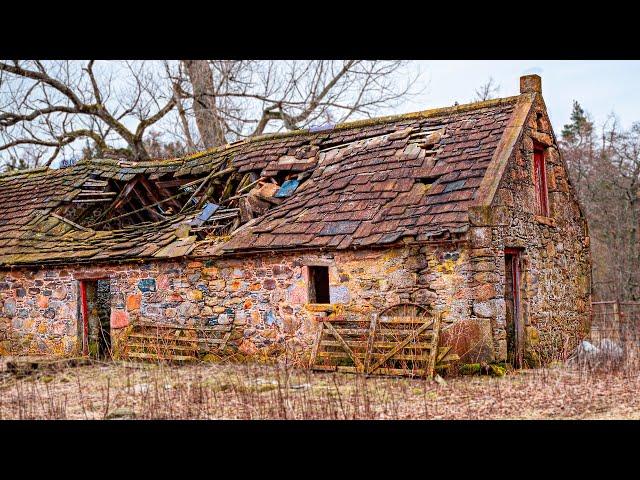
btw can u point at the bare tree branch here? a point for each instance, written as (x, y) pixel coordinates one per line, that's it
(46, 107)
(487, 91)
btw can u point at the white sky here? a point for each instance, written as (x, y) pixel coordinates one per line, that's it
(601, 87)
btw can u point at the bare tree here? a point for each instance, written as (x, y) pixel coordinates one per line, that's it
(51, 109)
(236, 99)
(487, 91)
(606, 174)
(203, 96)
(47, 106)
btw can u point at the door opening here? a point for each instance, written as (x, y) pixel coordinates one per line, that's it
(95, 308)
(514, 318)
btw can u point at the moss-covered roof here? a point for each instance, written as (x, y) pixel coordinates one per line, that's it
(372, 182)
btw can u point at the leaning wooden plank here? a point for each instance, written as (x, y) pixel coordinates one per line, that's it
(207, 179)
(340, 355)
(401, 356)
(150, 356)
(185, 327)
(165, 347)
(225, 339)
(434, 350)
(316, 345)
(93, 193)
(69, 222)
(372, 335)
(442, 352)
(353, 331)
(355, 359)
(413, 345)
(92, 200)
(383, 332)
(146, 207)
(398, 347)
(120, 199)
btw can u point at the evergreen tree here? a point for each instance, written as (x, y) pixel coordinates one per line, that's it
(580, 128)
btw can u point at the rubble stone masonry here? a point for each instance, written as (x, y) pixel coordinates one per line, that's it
(556, 270)
(265, 297)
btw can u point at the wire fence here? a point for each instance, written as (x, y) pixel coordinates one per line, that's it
(614, 337)
(615, 320)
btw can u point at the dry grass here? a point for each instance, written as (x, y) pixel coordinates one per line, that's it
(213, 391)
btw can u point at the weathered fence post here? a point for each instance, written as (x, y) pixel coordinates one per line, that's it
(616, 318)
(370, 340)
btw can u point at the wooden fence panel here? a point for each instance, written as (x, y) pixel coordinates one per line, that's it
(386, 346)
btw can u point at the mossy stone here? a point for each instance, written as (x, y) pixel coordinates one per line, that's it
(211, 358)
(496, 370)
(470, 369)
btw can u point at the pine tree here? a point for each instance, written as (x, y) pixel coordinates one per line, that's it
(580, 128)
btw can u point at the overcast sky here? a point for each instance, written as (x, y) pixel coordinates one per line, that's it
(601, 87)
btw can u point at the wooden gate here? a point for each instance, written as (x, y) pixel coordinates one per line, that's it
(174, 343)
(386, 344)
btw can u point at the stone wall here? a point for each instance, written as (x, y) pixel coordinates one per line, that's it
(265, 297)
(556, 261)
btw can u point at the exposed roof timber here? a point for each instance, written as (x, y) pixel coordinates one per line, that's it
(146, 207)
(143, 203)
(367, 192)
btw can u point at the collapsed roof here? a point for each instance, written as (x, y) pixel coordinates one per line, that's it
(365, 183)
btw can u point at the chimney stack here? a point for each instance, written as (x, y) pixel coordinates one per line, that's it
(530, 84)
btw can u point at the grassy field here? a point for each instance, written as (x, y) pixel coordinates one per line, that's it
(215, 391)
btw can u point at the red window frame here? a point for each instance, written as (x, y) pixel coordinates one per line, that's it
(540, 180)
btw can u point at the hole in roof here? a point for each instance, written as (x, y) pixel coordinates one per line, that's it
(428, 180)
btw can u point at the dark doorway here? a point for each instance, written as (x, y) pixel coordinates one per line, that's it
(514, 319)
(95, 304)
(319, 284)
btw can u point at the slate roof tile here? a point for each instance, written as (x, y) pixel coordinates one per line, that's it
(371, 182)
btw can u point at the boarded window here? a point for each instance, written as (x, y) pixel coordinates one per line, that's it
(540, 181)
(319, 284)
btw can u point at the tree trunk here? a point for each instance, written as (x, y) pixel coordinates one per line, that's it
(204, 103)
(140, 153)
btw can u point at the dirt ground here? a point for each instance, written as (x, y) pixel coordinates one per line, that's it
(214, 391)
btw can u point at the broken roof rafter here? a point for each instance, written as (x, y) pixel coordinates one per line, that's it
(357, 188)
(146, 207)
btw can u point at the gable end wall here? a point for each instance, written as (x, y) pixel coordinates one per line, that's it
(556, 273)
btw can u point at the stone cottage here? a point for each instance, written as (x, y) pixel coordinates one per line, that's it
(467, 211)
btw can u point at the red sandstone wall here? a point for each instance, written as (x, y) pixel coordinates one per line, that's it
(265, 297)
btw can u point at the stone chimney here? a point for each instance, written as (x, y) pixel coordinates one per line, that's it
(530, 84)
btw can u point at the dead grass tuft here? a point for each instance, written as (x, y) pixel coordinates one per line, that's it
(256, 391)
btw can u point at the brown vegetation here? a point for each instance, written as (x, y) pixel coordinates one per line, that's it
(235, 391)
(605, 169)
